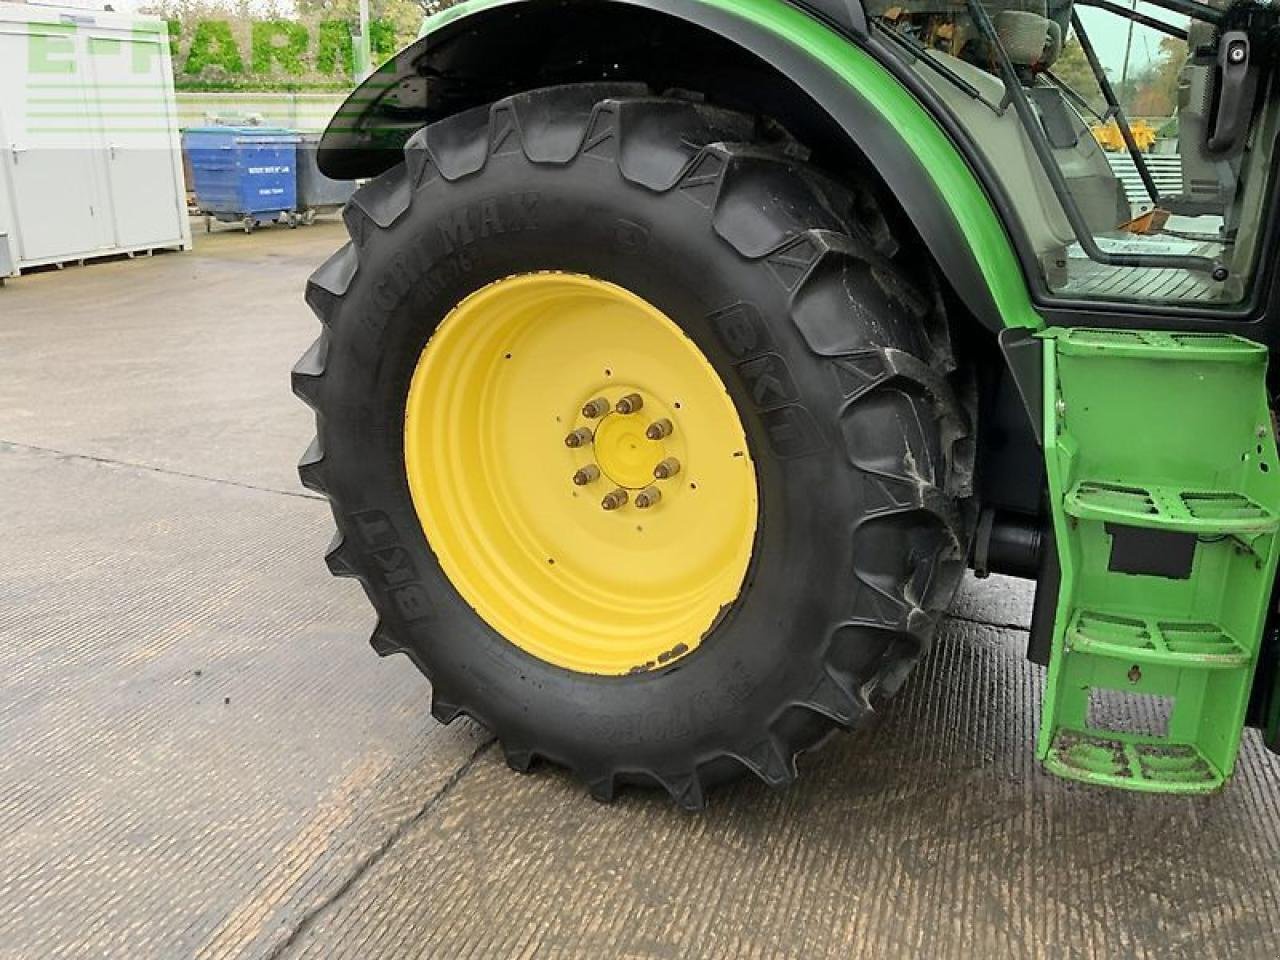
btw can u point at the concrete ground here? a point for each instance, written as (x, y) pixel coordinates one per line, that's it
(201, 757)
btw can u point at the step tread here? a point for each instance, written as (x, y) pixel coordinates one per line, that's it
(1213, 347)
(1152, 638)
(1131, 761)
(1169, 507)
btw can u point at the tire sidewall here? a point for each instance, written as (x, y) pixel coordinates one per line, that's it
(583, 217)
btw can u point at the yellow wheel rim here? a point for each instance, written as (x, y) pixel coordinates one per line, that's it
(595, 536)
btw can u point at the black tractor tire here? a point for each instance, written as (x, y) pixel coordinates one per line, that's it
(838, 363)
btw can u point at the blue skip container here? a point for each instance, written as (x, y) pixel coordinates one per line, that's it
(245, 174)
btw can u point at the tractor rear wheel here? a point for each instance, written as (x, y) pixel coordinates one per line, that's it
(641, 443)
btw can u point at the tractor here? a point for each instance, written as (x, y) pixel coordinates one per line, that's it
(685, 355)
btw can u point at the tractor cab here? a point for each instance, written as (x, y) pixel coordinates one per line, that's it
(1131, 145)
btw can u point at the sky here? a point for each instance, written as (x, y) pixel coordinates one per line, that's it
(1109, 35)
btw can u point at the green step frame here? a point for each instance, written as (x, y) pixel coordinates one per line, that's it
(1168, 508)
(1152, 435)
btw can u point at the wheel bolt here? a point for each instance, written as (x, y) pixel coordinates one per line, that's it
(614, 499)
(579, 438)
(647, 497)
(631, 403)
(588, 474)
(667, 469)
(659, 429)
(594, 409)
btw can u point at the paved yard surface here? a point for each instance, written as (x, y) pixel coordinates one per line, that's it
(200, 756)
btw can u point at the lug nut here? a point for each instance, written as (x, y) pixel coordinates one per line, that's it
(594, 409)
(631, 403)
(588, 474)
(614, 499)
(579, 438)
(647, 497)
(659, 429)
(667, 469)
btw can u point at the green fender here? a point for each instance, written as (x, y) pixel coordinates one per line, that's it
(910, 149)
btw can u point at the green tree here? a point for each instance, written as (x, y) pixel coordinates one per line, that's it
(282, 42)
(1154, 91)
(1151, 91)
(1072, 68)
(258, 45)
(393, 23)
(335, 50)
(214, 45)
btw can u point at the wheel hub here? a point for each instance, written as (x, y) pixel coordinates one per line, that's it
(633, 444)
(580, 473)
(624, 453)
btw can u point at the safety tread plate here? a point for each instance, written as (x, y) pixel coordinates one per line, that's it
(1131, 761)
(1155, 640)
(1169, 507)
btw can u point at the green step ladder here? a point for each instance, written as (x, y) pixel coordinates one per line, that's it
(1164, 485)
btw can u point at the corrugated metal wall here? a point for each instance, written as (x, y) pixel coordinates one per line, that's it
(1166, 170)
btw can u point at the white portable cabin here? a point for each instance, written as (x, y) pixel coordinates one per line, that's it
(90, 161)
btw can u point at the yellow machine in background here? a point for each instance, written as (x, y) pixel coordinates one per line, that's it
(1109, 137)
